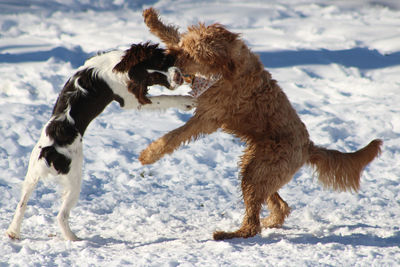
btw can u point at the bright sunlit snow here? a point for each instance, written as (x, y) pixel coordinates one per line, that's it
(337, 60)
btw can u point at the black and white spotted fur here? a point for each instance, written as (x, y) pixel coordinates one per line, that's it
(117, 75)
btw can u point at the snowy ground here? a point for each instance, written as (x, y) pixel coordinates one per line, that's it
(338, 62)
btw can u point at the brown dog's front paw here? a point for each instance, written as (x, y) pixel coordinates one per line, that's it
(149, 14)
(152, 153)
(146, 157)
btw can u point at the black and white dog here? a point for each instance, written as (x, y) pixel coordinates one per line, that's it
(117, 75)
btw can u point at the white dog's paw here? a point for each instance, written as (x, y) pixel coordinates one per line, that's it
(12, 235)
(70, 236)
(188, 103)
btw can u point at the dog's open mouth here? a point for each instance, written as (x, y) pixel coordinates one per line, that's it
(173, 74)
(200, 83)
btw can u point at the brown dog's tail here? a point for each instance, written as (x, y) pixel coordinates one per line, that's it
(342, 171)
(169, 34)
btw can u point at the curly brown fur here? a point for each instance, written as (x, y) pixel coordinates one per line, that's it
(249, 104)
(167, 33)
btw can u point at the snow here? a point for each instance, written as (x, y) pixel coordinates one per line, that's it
(339, 63)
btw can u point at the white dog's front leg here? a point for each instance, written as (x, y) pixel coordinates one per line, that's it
(171, 101)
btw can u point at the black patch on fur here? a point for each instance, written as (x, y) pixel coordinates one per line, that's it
(62, 132)
(88, 104)
(151, 54)
(137, 60)
(60, 162)
(85, 106)
(120, 100)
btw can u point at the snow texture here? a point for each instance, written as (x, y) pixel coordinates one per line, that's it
(337, 60)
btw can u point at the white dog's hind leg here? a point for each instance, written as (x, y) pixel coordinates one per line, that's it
(72, 188)
(36, 170)
(29, 184)
(70, 197)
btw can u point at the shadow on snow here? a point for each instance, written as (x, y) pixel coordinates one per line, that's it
(48, 7)
(361, 58)
(352, 239)
(75, 56)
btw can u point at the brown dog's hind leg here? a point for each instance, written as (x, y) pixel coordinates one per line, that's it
(262, 177)
(279, 210)
(256, 186)
(251, 222)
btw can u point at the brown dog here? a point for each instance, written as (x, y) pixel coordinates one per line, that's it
(249, 104)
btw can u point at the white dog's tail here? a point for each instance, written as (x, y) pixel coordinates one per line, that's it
(342, 171)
